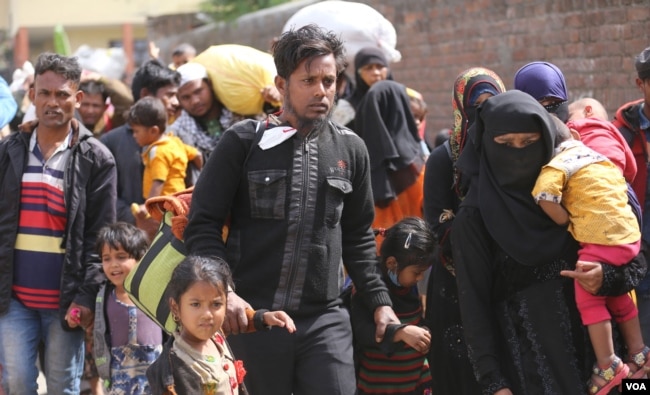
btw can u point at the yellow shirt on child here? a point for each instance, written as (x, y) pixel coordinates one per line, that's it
(594, 193)
(166, 160)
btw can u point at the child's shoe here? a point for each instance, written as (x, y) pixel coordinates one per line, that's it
(639, 363)
(612, 377)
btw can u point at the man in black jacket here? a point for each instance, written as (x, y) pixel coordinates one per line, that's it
(298, 192)
(57, 189)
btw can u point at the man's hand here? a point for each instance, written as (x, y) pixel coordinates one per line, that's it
(384, 315)
(588, 274)
(88, 75)
(236, 321)
(144, 221)
(271, 94)
(154, 51)
(78, 315)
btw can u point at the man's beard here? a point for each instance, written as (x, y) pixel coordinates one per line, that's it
(305, 125)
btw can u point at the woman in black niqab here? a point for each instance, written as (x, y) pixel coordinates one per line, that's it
(522, 329)
(506, 176)
(521, 326)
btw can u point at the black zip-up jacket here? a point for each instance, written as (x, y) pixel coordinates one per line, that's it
(297, 210)
(128, 161)
(90, 192)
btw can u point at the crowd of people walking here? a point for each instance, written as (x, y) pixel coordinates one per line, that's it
(331, 247)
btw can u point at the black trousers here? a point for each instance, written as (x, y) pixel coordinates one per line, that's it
(315, 360)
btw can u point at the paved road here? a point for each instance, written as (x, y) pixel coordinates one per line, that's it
(42, 389)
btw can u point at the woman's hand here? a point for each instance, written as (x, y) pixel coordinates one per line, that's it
(588, 274)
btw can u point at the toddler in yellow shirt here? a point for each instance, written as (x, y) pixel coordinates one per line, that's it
(586, 191)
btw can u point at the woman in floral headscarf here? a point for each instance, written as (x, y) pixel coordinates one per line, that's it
(450, 368)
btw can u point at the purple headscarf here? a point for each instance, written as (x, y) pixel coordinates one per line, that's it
(540, 80)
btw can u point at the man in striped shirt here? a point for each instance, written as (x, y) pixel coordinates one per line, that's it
(57, 189)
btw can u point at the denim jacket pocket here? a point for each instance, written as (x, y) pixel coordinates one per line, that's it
(267, 190)
(338, 189)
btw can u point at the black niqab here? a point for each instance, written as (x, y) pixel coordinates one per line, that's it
(503, 178)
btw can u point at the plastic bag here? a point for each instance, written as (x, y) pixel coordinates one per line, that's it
(358, 24)
(109, 62)
(238, 74)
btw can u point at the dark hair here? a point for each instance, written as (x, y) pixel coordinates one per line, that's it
(66, 66)
(94, 88)
(441, 137)
(184, 48)
(193, 269)
(148, 111)
(308, 42)
(124, 235)
(411, 243)
(153, 75)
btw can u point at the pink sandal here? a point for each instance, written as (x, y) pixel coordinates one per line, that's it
(640, 361)
(613, 377)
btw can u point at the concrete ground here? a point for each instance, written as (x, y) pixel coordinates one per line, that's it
(42, 388)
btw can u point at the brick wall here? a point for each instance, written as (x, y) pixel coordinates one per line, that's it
(593, 42)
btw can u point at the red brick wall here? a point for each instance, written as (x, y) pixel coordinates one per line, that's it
(593, 42)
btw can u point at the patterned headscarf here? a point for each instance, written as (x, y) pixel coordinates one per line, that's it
(469, 84)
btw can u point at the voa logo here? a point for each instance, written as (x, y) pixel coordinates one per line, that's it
(636, 386)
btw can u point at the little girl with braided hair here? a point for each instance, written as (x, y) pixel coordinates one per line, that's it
(405, 254)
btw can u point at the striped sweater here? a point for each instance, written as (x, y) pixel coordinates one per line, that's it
(38, 255)
(389, 367)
